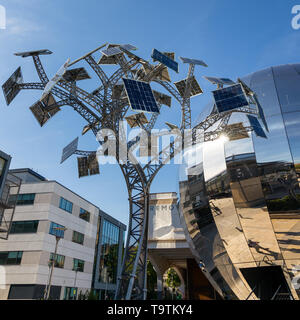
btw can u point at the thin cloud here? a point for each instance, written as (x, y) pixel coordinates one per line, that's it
(17, 26)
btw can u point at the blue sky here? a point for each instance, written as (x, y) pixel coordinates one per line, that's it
(233, 37)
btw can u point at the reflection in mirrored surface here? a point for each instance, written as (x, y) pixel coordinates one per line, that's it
(241, 203)
(250, 203)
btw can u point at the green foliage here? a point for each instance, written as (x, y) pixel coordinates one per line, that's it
(151, 282)
(173, 280)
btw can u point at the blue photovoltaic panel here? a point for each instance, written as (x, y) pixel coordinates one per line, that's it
(230, 98)
(256, 126)
(261, 113)
(140, 96)
(194, 61)
(69, 150)
(168, 62)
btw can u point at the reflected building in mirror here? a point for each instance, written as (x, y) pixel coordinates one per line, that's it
(241, 201)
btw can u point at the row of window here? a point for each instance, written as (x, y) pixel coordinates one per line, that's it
(59, 231)
(68, 206)
(24, 227)
(21, 199)
(55, 229)
(15, 257)
(59, 262)
(28, 199)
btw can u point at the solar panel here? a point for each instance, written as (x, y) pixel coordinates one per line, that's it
(236, 131)
(195, 88)
(33, 53)
(162, 98)
(44, 110)
(41, 116)
(247, 90)
(93, 164)
(221, 81)
(128, 47)
(171, 126)
(58, 76)
(11, 86)
(140, 96)
(261, 113)
(88, 166)
(256, 126)
(112, 51)
(194, 61)
(259, 107)
(69, 150)
(83, 167)
(136, 120)
(171, 55)
(76, 74)
(230, 98)
(164, 59)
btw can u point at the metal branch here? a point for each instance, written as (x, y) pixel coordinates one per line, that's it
(40, 69)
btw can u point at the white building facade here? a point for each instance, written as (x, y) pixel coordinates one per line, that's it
(25, 258)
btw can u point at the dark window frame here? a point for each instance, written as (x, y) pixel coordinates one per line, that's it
(84, 215)
(59, 233)
(77, 235)
(66, 205)
(7, 258)
(59, 260)
(78, 265)
(21, 199)
(16, 227)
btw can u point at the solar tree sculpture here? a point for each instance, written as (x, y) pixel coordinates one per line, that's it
(108, 104)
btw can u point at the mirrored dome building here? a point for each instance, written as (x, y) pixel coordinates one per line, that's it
(240, 202)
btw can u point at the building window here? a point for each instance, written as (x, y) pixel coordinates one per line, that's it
(70, 293)
(24, 227)
(66, 205)
(21, 199)
(85, 215)
(59, 260)
(11, 258)
(78, 265)
(54, 231)
(108, 266)
(78, 237)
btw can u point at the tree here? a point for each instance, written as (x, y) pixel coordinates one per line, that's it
(173, 280)
(151, 282)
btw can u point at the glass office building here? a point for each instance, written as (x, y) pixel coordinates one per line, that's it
(108, 257)
(241, 200)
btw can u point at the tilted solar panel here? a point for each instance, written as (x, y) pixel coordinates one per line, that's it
(83, 168)
(140, 96)
(164, 59)
(256, 126)
(194, 61)
(230, 98)
(195, 88)
(11, 86)
(69, 150)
